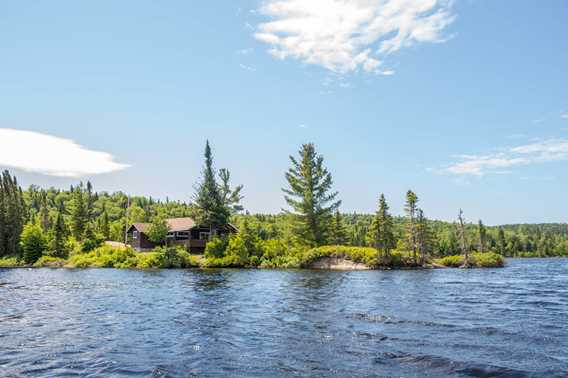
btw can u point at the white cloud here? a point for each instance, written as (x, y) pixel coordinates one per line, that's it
(247, 68)
(538, 152)
(41, 153)
(345, 36)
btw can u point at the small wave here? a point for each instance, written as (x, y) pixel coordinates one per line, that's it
(448, 366)
(392, 320)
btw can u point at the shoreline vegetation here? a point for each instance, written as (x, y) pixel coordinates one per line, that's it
(327, 257)
(81, 228)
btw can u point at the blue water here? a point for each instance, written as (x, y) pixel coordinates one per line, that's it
(509, 322)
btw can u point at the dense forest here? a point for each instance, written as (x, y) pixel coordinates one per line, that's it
(60, 223)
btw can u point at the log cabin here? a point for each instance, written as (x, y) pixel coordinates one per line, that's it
(181, 232)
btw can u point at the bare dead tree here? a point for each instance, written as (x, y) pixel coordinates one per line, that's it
(463, 240)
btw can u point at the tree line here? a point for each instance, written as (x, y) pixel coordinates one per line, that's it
(58, 222)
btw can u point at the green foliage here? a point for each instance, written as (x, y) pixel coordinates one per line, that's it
(9, 262)
(310, 196)
(158, 230)
(105, 257)
(12, 215)
(381, 231)
(216, 247)
(364, 255)
(33, 243)
(90, 240)
(167, 258)
(49, 262)
(210, 206)
(338, 231)
(477, 260)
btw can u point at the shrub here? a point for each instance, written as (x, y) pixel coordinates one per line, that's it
(33, 243)
(105, 257)
(365, 255)
(9, 262)
(216, 247)
(171, 258)
(477, 260)
(488, 260)
(49, 262)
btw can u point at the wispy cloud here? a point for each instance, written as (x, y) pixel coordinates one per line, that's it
(246, 51)
(495, 163)
(345, 36)
(53, 156)
(247, 68)
(564, 115)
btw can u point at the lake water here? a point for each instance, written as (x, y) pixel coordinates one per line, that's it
(496, 322)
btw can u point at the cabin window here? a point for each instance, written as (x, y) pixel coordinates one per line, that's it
(204, 236)
(182, 235)
(134, 234)
(171, 234)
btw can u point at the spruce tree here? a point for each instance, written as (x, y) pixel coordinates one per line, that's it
(12, 215)
(79, 216)
(105, 224)
(424, 236)
(410, 208)
(210, 210)
(501, 242)
(59, 235)
(381, 231)
(310, 196)
(338, 231)
(482, 236)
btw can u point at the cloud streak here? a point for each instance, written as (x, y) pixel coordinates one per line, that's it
(346, 36)
(533, 153)
(53, 156)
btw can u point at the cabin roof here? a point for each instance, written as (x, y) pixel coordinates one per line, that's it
(175, 224)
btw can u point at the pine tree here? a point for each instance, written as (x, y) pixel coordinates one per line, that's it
(45, 220)
(501, 242)
(310, 196)
(210, 209)
(231, 198)
(424, 236)
(90, 203)
(410, 208)
(12, 215)
(338, 231)
(105, 224)
(482, 236)
(59, 235)
(381, 231)
(79, 216)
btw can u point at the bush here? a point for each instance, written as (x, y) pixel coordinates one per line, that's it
(105, 257)
(168, 258)
(488, 260)
(33, 243)
(216, 247)
(49, 262)
(477, 260)
(9, 262)
(364, 255)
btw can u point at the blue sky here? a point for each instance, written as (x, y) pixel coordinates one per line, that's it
(465, 102)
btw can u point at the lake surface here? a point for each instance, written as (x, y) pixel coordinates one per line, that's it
(510, 322)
